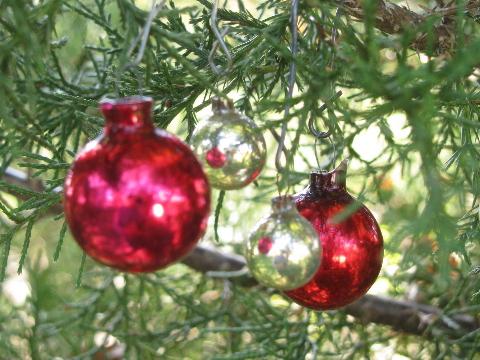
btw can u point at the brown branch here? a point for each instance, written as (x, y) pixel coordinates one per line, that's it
(404, 316)
(395, 19)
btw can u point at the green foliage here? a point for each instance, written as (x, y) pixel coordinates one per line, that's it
(409, 123)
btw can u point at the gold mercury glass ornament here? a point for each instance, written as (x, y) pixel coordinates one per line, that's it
(230, 147)
(284, 250)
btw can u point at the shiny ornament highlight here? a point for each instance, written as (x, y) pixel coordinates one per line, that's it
(283, 251)
(351, 239)
(136, 198)
(230, 146)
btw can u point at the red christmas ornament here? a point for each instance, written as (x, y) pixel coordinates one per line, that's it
(136, 198)
(352, 243)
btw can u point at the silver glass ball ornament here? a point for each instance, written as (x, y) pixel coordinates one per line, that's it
(230, 147)
(284, 250)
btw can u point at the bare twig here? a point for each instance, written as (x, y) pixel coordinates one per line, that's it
(404, 316)
(395, 19)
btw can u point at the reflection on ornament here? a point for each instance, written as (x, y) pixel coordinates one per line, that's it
(215, 158)
(283, 251)
(230, 146)
(136, 198)
(351, 239)
(264, 245)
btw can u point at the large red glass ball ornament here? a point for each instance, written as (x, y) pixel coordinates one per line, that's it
(351, 239)
(136, 198)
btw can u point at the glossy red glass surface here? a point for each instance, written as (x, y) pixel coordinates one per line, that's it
(352, 246)
(136, 198)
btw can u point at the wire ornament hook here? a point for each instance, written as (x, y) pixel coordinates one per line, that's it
(291, 83)
(317, 152)
(140, 41)
(323, 134)
(219, 42)
(335, 30)
(311, 122)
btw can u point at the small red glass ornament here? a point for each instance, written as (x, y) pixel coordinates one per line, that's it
(351, 239)
(136, 198)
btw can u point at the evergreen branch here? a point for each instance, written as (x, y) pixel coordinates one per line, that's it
(26, 244)
(404, 316)
(63, 231)
(80, 270)
(7, 241)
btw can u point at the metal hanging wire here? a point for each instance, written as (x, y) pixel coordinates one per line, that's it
(335, 31)
(291, 83)
(323, 134)
(311, 123)
(219, 42)
(140, 41)
(317, 151)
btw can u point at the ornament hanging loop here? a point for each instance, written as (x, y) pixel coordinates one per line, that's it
(311, 122)
(316, 133)
(141, 42)
(220, 42)
(218, 105)
(292, 75)
(323, 134)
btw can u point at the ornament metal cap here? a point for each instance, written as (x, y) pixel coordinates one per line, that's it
(128, 112)
(220, 106)
(283, 203)
(332, 180)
